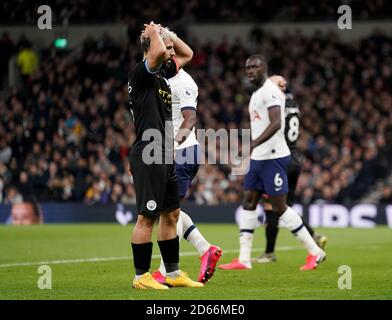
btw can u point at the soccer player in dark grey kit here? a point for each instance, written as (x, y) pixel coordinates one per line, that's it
(155, 182)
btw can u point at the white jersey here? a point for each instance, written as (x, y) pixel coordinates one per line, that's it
(267, 96)
(184, 95)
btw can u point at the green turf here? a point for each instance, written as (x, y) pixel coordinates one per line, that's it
(366, 251)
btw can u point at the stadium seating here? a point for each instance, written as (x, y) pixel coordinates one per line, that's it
(65, 136)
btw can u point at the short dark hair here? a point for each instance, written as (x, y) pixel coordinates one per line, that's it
(259, 57)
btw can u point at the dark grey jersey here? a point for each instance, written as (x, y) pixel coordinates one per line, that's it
(292, 126)
(292, 121)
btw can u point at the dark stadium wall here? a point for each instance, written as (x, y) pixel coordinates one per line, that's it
(318, 215)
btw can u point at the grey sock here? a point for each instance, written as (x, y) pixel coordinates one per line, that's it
(171, 267)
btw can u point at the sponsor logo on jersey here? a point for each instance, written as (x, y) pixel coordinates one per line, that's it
(166, 97)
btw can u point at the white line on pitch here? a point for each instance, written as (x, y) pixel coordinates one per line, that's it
(101, 259)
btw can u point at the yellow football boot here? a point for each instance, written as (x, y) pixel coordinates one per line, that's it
(146, 281)
(183, 281)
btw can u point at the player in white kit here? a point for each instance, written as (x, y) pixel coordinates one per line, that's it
(187, 159)
(270, 157)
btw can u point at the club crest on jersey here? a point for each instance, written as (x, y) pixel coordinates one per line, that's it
(151, 205)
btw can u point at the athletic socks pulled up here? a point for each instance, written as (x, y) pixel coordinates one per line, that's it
(187, 230)
(170, 254)
(246, 242)
(294, 223)
(141, 257)
(192, 234)
(271, 230)
(247, 224)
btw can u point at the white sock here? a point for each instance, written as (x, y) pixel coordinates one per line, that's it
(246, 240)
(173, 274)
(180, 229)
(247, 224)
(193, 235)
(293, 222)
(162, 268)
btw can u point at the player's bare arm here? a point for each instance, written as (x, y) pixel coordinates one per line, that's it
(186, 125)
(273, 127)
(156, 52)
(184, 53)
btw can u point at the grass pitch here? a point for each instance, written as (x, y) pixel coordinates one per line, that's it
(94, 262)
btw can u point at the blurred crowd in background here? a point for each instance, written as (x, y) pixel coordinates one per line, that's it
(88, 11)
(66, 135)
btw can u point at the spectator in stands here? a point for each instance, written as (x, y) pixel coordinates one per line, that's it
(5, 151)
(13, 196)
(27, 60)
(25, 213)
(97, 11)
